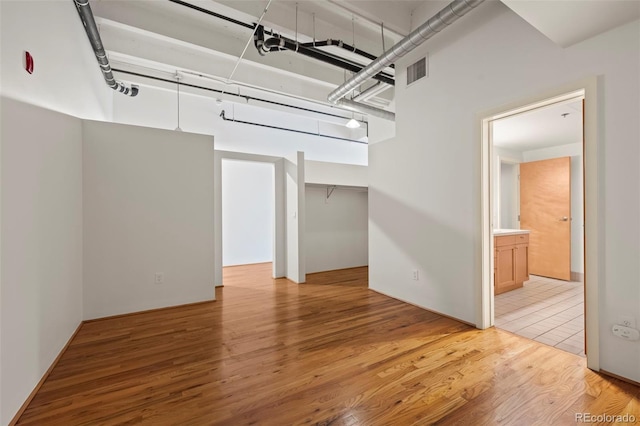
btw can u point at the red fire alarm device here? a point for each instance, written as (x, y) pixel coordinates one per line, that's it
(28, 62)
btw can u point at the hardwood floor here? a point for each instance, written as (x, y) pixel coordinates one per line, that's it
(328, 352)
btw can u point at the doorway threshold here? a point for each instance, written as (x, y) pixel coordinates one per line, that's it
(546, 310)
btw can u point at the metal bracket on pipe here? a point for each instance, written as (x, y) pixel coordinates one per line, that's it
(448, 15)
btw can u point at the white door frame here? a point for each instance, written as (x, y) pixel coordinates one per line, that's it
(592, 265)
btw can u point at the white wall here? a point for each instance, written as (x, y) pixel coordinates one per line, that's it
(247, 212)
(66, 75)
(335, 173)
(336, 234)
(507, 195)
(499, 154)
(157, 107)
(41, 277)
(425, 186)
(380, 129)
(148, 207)
(295, 217)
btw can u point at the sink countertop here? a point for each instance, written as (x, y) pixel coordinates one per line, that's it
(498, 232)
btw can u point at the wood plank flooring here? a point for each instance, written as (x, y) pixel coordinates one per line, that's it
(328, 352)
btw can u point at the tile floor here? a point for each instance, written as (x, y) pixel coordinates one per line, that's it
(546, 310)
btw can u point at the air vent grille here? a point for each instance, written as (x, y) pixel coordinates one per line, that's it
(416, 71)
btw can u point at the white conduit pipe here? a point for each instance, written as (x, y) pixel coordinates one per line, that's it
(90, 27)
(448, 15)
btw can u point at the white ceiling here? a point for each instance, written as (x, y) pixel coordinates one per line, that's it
(567, 22)
(168, 36)
(541, 128)
(161, 37)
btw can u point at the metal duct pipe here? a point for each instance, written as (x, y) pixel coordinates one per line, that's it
(448, 15)
(370, 92)
(279, 43)
(366, 109)
(341, 44)
(271, 44)
(86, 15)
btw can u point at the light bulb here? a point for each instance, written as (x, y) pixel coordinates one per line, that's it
(352, 124)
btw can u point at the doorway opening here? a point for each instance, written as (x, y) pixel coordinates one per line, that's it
(248, 212)
(250, 190)
(519, 293)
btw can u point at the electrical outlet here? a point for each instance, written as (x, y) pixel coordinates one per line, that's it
(626, 333)
(415, 275)
(159, 278)
(627, 321)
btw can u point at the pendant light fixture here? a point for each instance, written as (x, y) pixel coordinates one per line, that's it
(178, 77)
(353, 123)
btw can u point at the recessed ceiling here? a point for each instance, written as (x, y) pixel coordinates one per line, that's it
(174, 36)
(558, 124)
(165, 35)
(571, 21)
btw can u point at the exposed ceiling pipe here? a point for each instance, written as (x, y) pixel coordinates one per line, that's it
(224, 117)
(279, 43)
(370, 92)
(352, 11)
(342, 45)
(247, 98)
(86, 15)
(424, 32)
(366, 109)
(209, 12)
(337, 43)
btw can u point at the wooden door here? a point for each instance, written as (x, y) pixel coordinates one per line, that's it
(545, 210)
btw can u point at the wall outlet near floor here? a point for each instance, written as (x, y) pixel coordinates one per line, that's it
(159, 278)
(626, 333)
(415, 275)
(627, 321)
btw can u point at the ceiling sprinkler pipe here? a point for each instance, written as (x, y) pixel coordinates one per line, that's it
(448, 15)
(89, 23)
(279, 43)
(366, 109)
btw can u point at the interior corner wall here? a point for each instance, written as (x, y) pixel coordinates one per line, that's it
(295, 217)
(247, 212)
(380, 130)
(148, 198)
(41, 239)
(66, 75)
(336, 234)
(425, 187)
